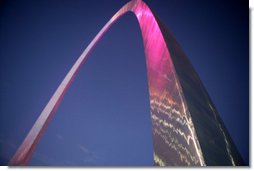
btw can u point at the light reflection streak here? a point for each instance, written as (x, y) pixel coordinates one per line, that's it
(225, 138)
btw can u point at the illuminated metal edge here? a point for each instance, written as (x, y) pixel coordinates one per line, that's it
(217, 146)
(174, 137)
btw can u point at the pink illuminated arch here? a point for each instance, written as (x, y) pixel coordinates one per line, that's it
(174, 137)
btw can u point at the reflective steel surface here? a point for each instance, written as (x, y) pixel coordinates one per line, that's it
(180, 134)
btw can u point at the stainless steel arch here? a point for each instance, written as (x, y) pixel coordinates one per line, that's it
(174, 136)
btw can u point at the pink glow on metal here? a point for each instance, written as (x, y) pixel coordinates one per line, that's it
(164, 88)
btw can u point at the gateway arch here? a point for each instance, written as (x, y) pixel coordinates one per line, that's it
(186, 127)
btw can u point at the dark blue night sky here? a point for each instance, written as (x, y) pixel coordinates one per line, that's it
(104, 118)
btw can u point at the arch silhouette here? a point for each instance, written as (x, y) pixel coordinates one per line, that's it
(174, 136)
